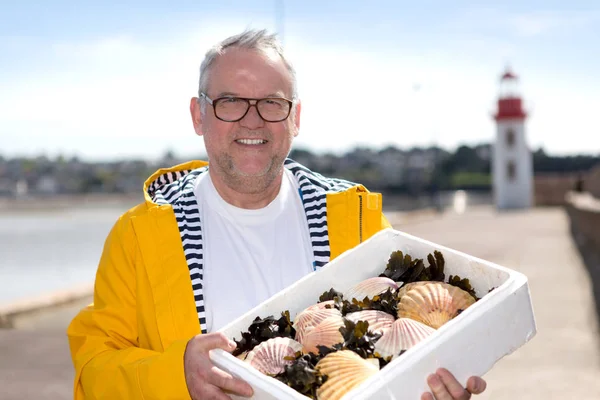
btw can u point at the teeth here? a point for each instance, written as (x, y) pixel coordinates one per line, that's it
(251, 141)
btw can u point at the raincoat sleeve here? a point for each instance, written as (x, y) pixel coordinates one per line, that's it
(103, 337)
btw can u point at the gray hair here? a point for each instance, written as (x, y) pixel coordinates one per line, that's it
(258, 40)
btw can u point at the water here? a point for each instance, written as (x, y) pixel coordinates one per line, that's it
(46, 251)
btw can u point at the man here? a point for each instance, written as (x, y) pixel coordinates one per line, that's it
(210, 243)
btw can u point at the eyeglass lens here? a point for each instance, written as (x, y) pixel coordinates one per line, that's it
(233, 108)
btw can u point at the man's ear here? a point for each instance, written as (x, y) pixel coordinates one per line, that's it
(196, 115)
(297, 116)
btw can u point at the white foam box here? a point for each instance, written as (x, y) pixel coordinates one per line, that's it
(470, 344)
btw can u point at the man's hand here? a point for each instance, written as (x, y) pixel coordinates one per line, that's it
(445, 387)
(204, 380)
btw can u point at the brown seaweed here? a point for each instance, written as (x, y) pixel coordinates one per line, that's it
(332, 294)
(386, 302)
(357, 338)
(302, 375)
(464, 284)
(402, 268)
(263, 329)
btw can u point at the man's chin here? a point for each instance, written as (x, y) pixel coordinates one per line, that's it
(252, 173)
(253, 170)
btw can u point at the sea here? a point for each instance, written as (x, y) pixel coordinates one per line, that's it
(43, 251)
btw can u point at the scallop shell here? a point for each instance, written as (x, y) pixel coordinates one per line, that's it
(370, 288)
(310, 318)
(434, 303)
(323, 305)
(404, 289)
(379, 321)
(403, 334)
(269, 357)
(345, 370)
(326, 333)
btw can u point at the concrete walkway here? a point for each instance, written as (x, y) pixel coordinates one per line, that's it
(561, 362)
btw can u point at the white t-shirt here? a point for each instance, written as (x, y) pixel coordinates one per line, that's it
(249, 255)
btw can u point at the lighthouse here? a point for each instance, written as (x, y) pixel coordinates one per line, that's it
(512, 166)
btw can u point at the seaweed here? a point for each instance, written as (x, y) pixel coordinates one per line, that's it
(302, 375)
(463, 284)
(332, 294)
(386, 302)
(263, 329)
(347, 307)
(402, 268)
(357, 338)
(435, 271)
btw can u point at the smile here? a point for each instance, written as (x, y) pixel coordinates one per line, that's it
(251, 141)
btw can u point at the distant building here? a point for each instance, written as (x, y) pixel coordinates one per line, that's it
(21, 188)
(46, 185)
(512, 165)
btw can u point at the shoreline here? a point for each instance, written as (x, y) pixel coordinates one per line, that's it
(11, 311)
(65, 202)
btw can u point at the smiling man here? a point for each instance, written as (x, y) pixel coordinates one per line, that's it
(210, 242)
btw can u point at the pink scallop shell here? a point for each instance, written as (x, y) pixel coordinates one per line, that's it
(369, 288)
(402, 335)
(269, 357)
(379, 321)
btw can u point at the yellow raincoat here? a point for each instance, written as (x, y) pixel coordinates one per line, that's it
(129, 344)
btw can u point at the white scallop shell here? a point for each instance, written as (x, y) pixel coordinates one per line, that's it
(326, 333)
(369, 288)
(269, 357)
(402, 335)
(379, 321)
(310, 318)
(327, 304)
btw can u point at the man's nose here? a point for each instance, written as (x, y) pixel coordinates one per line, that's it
(252, 119)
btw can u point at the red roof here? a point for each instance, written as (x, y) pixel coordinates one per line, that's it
(509, 75)
(510, 108)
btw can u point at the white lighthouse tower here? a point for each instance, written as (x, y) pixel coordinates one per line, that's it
(512, 165)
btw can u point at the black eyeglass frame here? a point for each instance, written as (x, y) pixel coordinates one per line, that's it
(214, 102)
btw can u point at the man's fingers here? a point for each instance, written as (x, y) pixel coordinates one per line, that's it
(437, 388)
(476, 385)
(228, 383)
(427, 396)
(216, 340)
(214, 393)
(456, 390)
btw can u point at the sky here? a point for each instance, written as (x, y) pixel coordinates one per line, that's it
(113, 79)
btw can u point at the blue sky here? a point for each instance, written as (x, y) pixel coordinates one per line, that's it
(112, 79)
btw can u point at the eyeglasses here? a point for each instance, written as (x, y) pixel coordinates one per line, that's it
(233, 109)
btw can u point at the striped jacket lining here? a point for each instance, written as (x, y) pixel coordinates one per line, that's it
(177, 189)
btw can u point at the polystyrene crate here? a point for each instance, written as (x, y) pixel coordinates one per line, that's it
(470, 344)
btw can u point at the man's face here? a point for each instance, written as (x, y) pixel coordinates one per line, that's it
(242, 162)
